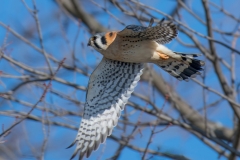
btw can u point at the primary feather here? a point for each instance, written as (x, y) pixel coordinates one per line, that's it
(162, 33)
(109, 89)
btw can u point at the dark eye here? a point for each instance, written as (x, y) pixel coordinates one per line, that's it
(94, 38)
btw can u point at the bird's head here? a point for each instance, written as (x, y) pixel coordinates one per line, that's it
(101, 41)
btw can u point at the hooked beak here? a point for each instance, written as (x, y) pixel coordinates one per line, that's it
(88, 43)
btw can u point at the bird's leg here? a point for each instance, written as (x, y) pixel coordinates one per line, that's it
(163, 56)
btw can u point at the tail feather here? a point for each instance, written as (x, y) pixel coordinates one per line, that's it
(184, 67)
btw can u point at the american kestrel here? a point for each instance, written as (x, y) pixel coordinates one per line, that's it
(115, 78)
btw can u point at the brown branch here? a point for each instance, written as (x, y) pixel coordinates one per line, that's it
(226, 88)
(23, 39)
(36, 118)
(216, 92)
(185, 110)
(109, 13)
(42, 74)
(122, 142)
(149, 142)
(185, 26)
(165, 154)
(41, 98)
(74, 8)
(35, 15)
(224, 11)
(62, 112)
(211, 135)
(236, 139)
(236, 142)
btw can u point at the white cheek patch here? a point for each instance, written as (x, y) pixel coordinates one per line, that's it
(100, 44)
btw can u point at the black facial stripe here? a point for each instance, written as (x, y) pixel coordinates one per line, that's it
(103, 40)
(96, 45)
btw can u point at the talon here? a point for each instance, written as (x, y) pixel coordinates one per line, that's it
(163, 56)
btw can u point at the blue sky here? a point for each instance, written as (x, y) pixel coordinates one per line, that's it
(59, 33)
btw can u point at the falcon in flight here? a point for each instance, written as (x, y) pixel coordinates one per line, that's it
(112, 82)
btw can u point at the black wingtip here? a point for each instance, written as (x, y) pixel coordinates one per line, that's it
(74, 154)
(81, 156)
(72, 144)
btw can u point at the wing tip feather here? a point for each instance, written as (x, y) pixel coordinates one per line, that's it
(84, 147)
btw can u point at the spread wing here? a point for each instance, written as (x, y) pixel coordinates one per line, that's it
(162, 33)
(109, 89)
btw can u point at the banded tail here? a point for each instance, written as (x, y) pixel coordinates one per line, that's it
(183, 66)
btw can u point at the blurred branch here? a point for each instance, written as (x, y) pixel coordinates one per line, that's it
(164, 154)
(185, 26)
(224, 11)
(23, 39)
(73, 8)
(226, 88)
(35, 118)
(43, 76)
(41, 98)
(218, 93)
(35, 15)
(185, 110)
(109, 13)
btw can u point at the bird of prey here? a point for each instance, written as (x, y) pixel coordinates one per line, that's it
(112, 82)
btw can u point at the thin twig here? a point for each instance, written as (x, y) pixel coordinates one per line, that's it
(41, 98)
(35, 15)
